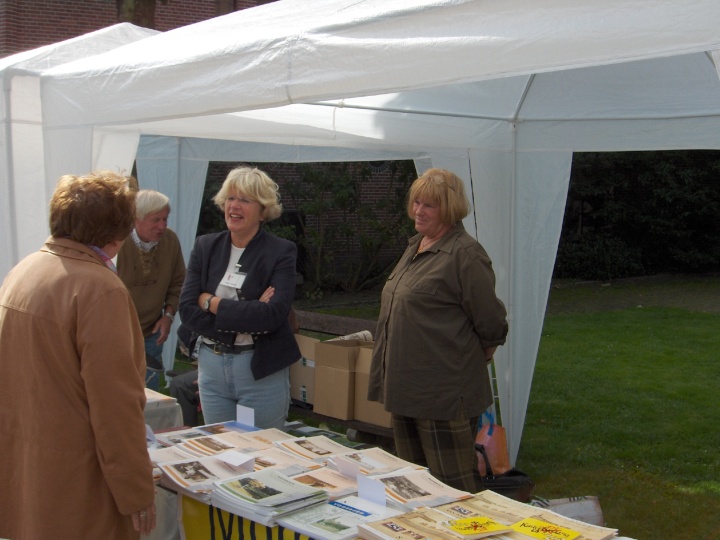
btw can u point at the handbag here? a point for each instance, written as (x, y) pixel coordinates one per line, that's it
(492, 437)
(513, 483)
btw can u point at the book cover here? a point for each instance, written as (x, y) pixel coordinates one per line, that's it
(476, 527)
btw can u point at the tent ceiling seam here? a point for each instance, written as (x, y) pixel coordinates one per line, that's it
(515, 119)
(523, 97)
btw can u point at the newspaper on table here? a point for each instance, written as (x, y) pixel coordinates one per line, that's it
(198, 475)
(411, 488)
(336, 520)
(425, 522)
(334, 482)
(318, 448)
(264, 495)
(370, 461)
(510, 511)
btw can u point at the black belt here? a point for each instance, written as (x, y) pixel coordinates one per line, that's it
(219, 348)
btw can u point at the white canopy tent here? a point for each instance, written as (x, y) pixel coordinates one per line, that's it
(501, 92)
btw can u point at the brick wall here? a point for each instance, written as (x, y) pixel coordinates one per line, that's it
(28, 24)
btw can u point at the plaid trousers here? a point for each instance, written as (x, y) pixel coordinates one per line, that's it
(445, 447)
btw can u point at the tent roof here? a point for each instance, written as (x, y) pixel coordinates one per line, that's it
(293, 51)
(501, 92)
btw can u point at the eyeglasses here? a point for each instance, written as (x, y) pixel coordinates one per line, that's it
(436, 180)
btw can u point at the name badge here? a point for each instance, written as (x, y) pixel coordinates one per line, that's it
(234, 279)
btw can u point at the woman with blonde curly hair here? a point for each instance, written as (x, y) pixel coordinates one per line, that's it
(235, 302)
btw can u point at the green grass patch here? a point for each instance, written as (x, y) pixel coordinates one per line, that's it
(624, 406)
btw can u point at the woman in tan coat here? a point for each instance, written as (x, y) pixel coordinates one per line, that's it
(72, 430)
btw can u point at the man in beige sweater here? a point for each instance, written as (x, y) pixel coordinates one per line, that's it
(152, 267)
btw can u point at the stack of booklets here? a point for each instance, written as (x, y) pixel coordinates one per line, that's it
(334, 482)
(336, 520)
(264, 496)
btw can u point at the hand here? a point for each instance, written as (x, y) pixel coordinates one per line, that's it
(489, 353)
(162, 325)
(144, 520)
(267, 295)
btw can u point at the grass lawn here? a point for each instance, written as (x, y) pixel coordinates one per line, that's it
(624, 402)
(624, 406)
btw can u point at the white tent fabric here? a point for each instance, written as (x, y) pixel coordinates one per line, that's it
(501, 92)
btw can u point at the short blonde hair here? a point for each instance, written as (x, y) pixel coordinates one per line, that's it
(95, 209)
(443, 188)
(149, 201)
(255, 184)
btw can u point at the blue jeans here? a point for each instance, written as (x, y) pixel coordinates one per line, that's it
(152, 377)
(225, 381)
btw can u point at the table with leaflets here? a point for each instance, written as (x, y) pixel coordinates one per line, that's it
(204, 491)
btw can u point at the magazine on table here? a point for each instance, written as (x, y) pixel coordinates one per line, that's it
(318, 448)
(199, 474)
(336, 520)
(412, 488)
(264, 495)
(371, 461)
(510, 511)
(426, 522)
(334, 482)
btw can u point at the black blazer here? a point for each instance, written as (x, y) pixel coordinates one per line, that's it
(267, 260)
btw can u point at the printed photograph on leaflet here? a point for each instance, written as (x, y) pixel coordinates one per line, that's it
(209, 445)
(410, 489)
(335, 483)
(268, 488)
(373, 461)
(199, 474)
(318, 448)
(255, 440)
(284, 462)
(180, 435)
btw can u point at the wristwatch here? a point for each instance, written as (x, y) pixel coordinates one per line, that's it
(206, 304)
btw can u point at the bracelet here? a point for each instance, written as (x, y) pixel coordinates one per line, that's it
(169, 315)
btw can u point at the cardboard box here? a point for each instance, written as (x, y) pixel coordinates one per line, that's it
(335, 377)
(370, 412)
(302, 372)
